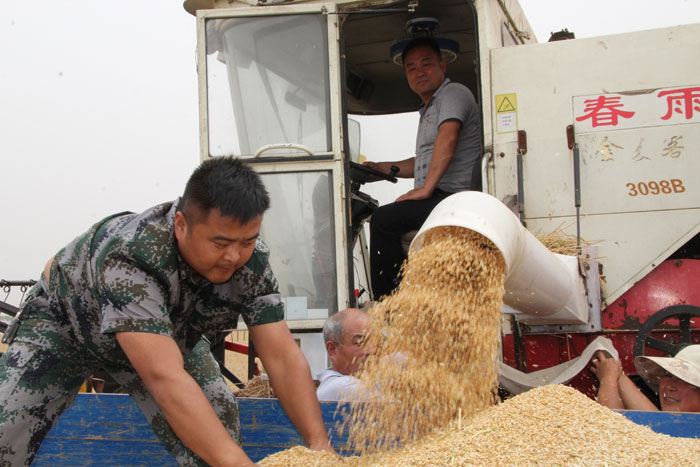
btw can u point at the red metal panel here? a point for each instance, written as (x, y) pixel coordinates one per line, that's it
(673, 282)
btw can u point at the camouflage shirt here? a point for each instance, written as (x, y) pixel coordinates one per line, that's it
(126, 275)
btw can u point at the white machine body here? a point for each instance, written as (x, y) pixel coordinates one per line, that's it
(279, 78)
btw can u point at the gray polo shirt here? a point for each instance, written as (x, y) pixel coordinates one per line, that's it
(451, 101)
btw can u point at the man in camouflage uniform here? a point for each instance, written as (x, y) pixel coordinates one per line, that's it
(134, 295)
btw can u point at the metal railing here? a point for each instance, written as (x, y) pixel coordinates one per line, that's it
(5, 307)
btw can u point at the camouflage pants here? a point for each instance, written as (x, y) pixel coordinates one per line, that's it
(43, 369)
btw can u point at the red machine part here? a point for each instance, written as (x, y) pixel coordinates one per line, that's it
(242, 349)
(673, 282)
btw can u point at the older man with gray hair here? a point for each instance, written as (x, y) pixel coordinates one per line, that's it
(344, 335)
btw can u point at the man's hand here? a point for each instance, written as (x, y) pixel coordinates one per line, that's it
(322, 446)
(609, 373)
(606, 368)
(416, 193)
(378, 166)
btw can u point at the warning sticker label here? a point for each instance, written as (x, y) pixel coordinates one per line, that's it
(506, 103)
(506, 113)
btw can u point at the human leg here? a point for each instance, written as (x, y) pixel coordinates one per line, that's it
(386, 226)
(200, 364)
(40, 374)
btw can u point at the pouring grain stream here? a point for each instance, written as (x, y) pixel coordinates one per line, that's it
(436, 341)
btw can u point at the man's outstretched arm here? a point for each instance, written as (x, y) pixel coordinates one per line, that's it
(291, 379)
(405, 167)
(158, 361)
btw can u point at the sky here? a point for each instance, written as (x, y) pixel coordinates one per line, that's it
(99, 113)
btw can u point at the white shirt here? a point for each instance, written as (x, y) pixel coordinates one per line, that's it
(336, 386)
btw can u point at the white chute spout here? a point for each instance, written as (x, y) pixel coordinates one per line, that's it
(541, 287)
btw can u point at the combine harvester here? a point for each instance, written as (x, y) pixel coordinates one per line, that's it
(595, 138)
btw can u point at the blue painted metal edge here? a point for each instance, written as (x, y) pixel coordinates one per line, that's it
(678, 424)
(110, 430)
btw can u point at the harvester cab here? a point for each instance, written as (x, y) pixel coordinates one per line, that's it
(278, 85)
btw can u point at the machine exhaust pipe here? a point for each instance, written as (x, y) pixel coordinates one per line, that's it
(541, 287)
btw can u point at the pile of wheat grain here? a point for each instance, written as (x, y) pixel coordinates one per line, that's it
(302, 457)
(436, 340)
(256, 387)
(546, 426)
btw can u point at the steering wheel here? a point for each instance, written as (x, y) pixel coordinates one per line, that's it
(683, 313)
(362, 174)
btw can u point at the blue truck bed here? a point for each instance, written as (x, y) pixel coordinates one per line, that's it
(109, 430)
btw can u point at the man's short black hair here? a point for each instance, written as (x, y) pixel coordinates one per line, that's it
(226, 184)
(421, 42)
